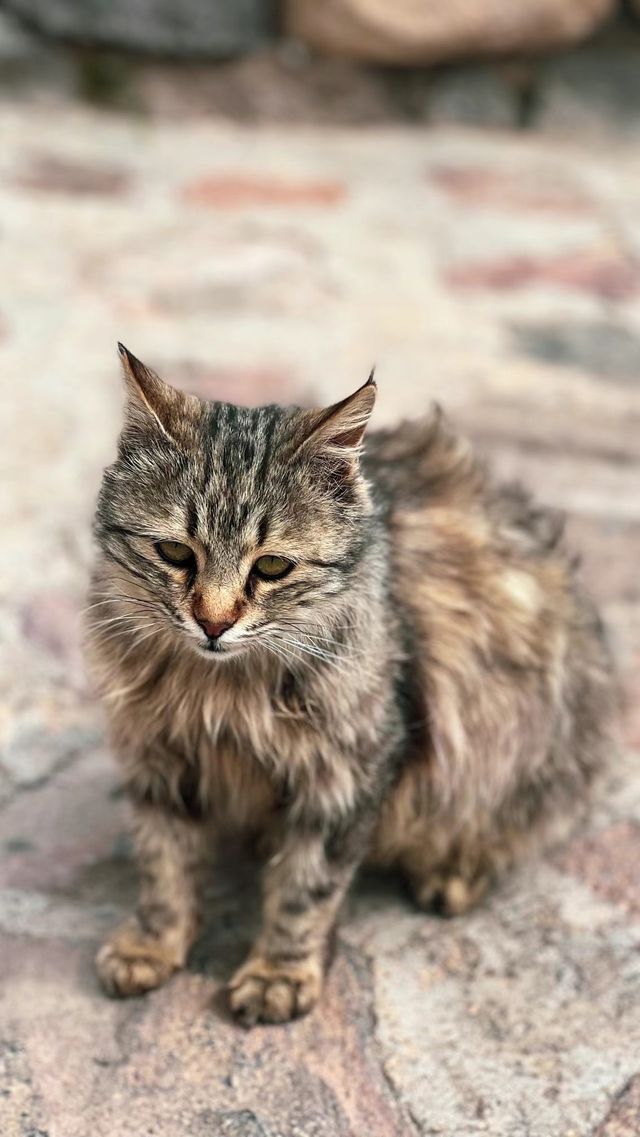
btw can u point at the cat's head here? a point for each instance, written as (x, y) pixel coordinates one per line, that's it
(235, 527)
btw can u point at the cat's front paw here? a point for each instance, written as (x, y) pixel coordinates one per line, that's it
(130, 963)
(267, 992)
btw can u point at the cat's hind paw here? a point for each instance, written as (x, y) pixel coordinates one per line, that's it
(449, 896)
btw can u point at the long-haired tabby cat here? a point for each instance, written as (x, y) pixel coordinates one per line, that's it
(356, 652)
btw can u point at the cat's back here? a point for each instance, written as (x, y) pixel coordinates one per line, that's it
(479, 569)
(426, 476)
(421, 460)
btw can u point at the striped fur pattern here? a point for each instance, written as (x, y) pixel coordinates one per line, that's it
(426, 685)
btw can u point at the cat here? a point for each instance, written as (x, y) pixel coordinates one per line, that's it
(353, 652)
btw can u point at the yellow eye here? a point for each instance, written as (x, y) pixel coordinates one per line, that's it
(272, 568)
(175, 553)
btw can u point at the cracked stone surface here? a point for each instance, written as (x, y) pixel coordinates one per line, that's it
(498, 273)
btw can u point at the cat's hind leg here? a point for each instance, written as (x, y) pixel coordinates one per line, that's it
(451, 873)
(448, 866)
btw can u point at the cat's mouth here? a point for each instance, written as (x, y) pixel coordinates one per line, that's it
(220, 648)
(224, 647)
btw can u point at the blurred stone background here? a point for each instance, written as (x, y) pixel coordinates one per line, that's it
(263, 200)
(545, 65)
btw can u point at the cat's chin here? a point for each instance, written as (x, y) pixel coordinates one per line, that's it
(218, 651)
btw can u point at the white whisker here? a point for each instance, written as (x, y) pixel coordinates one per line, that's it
(126, 634)
(138, 641)
(125, 618)
(339, 663)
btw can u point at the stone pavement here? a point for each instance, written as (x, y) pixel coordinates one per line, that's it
(499, 273)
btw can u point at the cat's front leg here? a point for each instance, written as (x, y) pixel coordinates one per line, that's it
(304, 885)
(146, 950)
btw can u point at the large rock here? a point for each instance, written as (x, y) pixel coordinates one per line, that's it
(190, 27)
(425, 31)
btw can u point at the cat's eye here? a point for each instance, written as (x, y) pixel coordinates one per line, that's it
(272, 568)
(175, 553)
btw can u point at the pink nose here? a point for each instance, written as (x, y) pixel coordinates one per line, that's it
(214, 631)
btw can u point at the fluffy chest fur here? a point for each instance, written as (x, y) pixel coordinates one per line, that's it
(239, 742)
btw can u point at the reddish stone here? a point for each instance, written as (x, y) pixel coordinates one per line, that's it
(242, 191)
(623, 1119)
(608, 862)
(481, 186)
(248, 386)
(176, 1066)
(607, 274)
(52, 174)
(321, 1075)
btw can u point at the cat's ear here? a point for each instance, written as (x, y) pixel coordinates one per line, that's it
(150, 401)
(337, 431)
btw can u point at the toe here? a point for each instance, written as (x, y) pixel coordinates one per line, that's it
(246, 1000)
(279, 1003)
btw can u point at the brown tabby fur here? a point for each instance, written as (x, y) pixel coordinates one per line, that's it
(427, 688)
